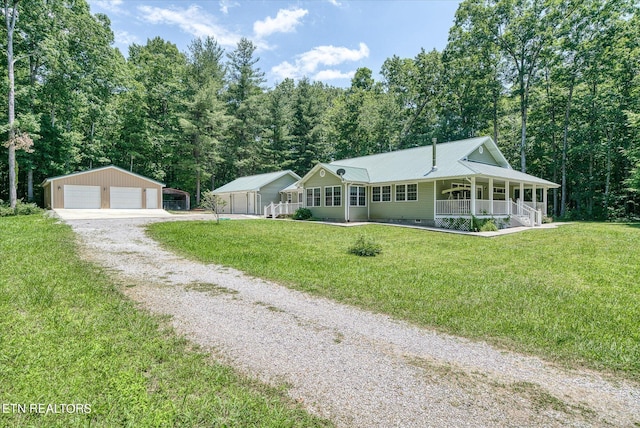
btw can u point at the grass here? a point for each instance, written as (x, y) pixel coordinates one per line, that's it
(570, 294)
(68, 336)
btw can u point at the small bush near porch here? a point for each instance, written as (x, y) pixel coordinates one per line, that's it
(570, 294)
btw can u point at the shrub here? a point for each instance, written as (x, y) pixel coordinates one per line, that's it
(27, 208)
(302, 214)
(5, 211)
(365, 247)
(21, 209)
(489, 226)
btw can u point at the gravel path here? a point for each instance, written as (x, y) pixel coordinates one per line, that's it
(353, 367)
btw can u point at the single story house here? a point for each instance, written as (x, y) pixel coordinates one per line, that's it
(438, 185)
(249, 195)
(106, 187)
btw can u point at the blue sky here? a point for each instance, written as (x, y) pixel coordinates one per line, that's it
(325, 40)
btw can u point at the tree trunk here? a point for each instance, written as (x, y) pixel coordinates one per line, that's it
(496, 101)
(198, 186)
(523, 132)
(10, 20)
(607, 183)
(554, 142)
(30, 185)
(565, 146)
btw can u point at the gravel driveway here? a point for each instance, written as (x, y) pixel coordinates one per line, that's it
(353, 367)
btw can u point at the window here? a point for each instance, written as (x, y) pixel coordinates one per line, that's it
(461, 191)
(412, 192)
(406, 192)
(357, 196)
(313, 197)
(381, 194)
(333, 196)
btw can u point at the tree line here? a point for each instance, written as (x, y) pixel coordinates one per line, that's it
(555, 83)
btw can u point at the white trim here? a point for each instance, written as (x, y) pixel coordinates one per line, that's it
(406, 192)
(313, 196)
(358, 196)
(381, 193)
(333, 200)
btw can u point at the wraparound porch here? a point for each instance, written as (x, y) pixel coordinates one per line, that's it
(524, 203)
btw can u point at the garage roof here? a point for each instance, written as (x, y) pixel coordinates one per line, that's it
(254, 183)
(49, 180)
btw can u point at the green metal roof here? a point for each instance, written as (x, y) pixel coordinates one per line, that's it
(416, 164)
(253, 183)
(351, 174)
(506, 174)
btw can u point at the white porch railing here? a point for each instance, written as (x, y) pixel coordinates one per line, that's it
(525, 214)
(283, 208)
(538, 206)
(453, 207)
(463, 207)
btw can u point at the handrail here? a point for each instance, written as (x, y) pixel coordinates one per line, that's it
(274, 210)
(523, 210)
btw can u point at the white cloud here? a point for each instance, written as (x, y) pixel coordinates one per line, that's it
(124, 38)
(285, 21)
(109, 5)
(226, 4)
(308, 63)
(333, 75)
(192, 20)
(335, 2)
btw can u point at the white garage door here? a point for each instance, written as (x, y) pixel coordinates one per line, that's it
(126, 197)
(239, 203)
(86, 197)
(152, 198)
(226, 209)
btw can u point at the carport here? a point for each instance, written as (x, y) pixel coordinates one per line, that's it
(102, 188)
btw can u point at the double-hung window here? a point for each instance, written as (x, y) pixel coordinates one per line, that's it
(332, 196)
(358, 196)
(313, 197)
(381, 194)
(406, 192)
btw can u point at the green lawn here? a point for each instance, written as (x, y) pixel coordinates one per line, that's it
(570, 294)
(68, 336)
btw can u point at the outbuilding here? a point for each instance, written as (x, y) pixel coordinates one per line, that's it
(249, 195)
(106, 187)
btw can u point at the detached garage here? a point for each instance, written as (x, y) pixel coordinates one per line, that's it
(249, 195)
(106, 187)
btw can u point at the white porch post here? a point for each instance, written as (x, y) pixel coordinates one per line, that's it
(507, 196)
(521, 198)
(544, 201)
(435, 202)
(534, 197)
(346, 202)
(473, 196)
(491, 196)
